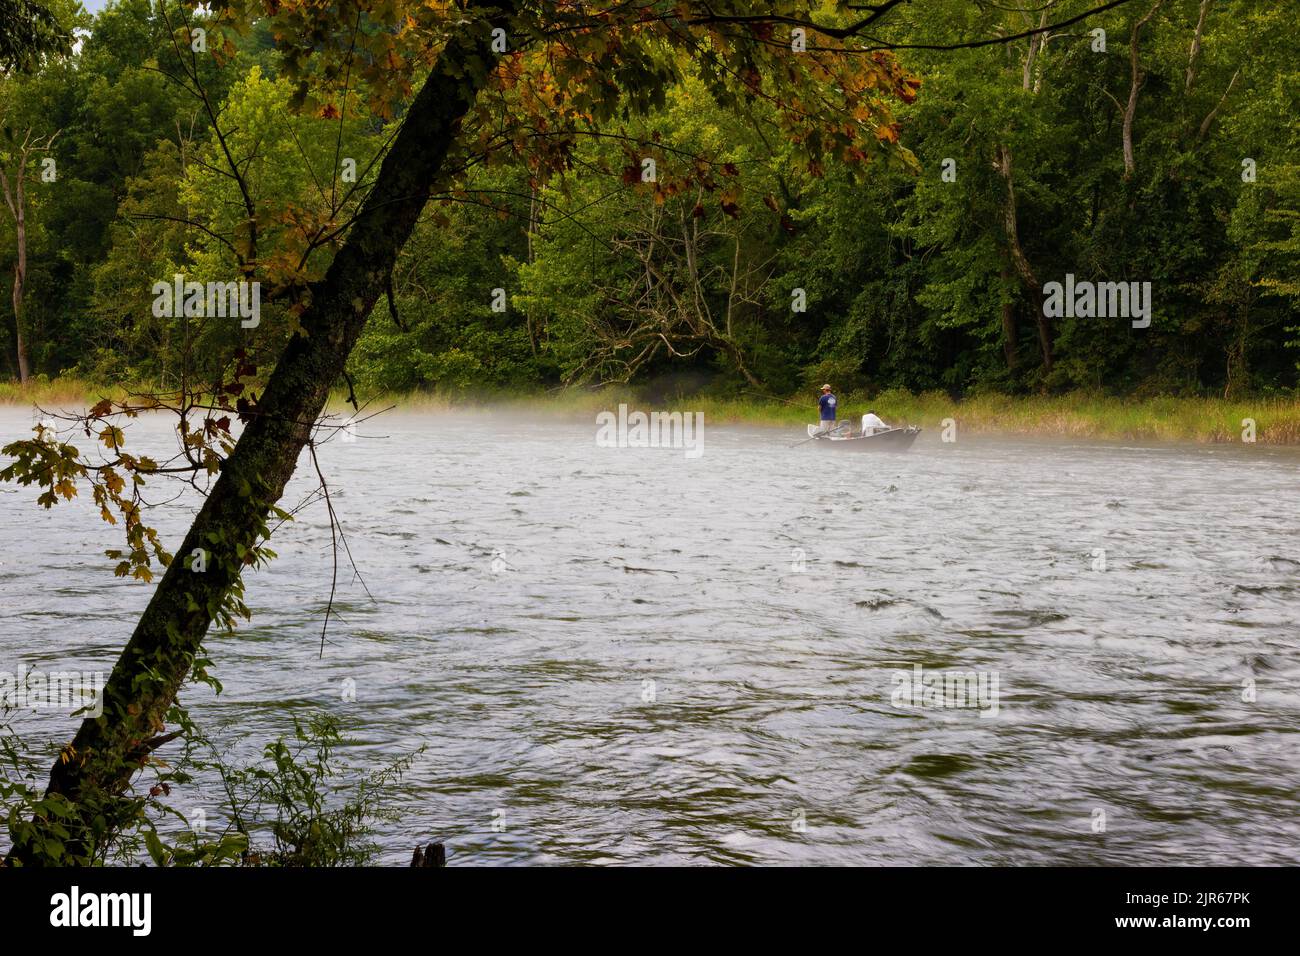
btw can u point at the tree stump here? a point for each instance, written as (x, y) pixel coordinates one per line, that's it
(435, 854)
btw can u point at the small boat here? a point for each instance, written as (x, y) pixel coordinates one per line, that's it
(840, 438)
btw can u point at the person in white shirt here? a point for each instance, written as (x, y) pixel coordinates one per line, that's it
(871, 424)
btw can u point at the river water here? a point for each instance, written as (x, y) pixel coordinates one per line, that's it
(624, 655)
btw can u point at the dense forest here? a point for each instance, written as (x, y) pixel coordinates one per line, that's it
(1155, 142)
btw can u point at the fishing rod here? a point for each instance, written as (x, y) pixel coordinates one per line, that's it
(824, 434)
(838, 429)
(769, 395)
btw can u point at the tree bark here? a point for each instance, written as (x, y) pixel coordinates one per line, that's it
(1237, 365)
(1009, 330)
(1136, 79)
(16, 200)
(20, 291)
(1011, 228)
(1196, 46)
(1030, 80)
(98, 765)
(1209, 117)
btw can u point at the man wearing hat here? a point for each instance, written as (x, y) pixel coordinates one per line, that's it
(827, 406)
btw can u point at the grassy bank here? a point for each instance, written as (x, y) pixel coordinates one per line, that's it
(60, 392)
(1077, 415)
(1277, 421)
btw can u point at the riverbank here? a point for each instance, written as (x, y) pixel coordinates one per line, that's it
(1276, 421)
(1076, 415)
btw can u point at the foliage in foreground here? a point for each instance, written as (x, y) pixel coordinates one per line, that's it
(298, 807)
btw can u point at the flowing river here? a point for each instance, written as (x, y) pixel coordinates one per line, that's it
(623, 655)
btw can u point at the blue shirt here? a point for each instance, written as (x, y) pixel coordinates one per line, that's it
(827, 405)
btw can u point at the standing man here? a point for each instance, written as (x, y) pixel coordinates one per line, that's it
(826, 404)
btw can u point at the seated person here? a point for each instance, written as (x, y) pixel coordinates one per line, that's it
(871, 424)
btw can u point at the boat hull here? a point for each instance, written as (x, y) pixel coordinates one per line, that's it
(893, 439)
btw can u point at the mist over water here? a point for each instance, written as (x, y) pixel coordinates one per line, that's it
(526, 587)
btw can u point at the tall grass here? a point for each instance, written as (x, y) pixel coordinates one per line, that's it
(1076, 415)
(62, 391)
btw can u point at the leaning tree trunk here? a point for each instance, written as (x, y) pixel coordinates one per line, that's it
(98, 765)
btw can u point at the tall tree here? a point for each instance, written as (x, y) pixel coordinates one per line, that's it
(13, 185)
(567, 68)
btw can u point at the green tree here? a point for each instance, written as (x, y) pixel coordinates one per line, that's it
(570, 68)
